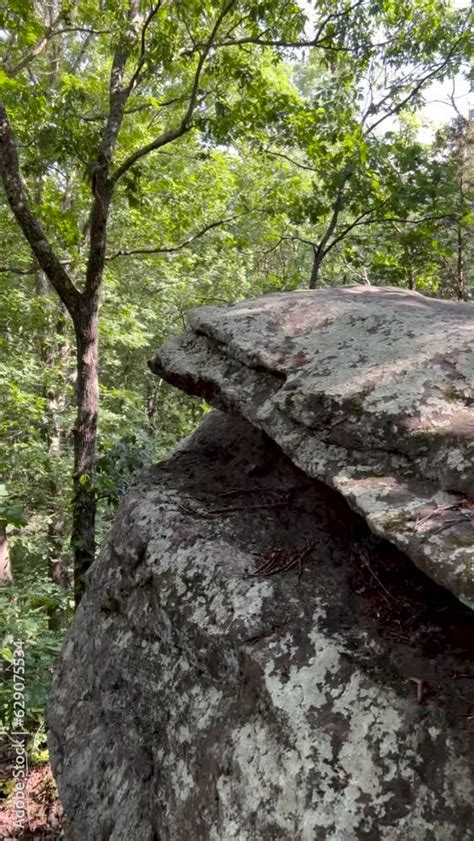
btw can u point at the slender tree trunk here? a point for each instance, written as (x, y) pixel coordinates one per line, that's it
(6, 576)
(56, 403)
(54, 349)
(325, 245)
(460, 272)
(85, 443)
(317, 261)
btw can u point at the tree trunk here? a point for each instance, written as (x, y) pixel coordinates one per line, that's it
(56, 403)
(85, 443)
(6, 576)
(460, 273)
(317, 261)
(54, 349)
(325, 245)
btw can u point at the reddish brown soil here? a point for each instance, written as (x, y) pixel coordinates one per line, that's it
(44, 810)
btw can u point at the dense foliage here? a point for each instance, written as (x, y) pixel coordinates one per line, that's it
(246, 147)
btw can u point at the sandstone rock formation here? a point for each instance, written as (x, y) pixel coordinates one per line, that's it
(369, 390)
(225, 679)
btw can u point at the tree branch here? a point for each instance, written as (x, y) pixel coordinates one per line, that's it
(99, 118)
(153, 11)
(17, 270)
(273, 42)
(158, 143)
(297, 238)
(415, 89)
(173, 134)
(337, 208)
(290, 160)
(348, 229)
(316, 41)
(420, 221)
(44, 41)
(102, 186)
(35, 50)
(29, 224)
(383, 221)
(172, 249)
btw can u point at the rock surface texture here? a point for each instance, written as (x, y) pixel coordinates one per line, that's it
(224, 680)
(369, 390)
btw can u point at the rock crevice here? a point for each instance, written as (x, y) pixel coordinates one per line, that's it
(369, 390)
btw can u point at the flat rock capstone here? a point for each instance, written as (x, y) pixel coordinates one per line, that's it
(370, 390)
(222, 679)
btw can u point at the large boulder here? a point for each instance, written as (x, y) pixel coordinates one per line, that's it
(369, 390)
(240, 668)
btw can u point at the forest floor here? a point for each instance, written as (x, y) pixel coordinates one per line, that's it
(44, 820)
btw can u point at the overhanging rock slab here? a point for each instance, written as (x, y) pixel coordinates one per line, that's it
(370, 390)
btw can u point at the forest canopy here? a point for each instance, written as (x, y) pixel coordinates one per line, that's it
(160, 156)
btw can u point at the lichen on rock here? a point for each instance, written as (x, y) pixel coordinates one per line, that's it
(198, 698)
(370, 390)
